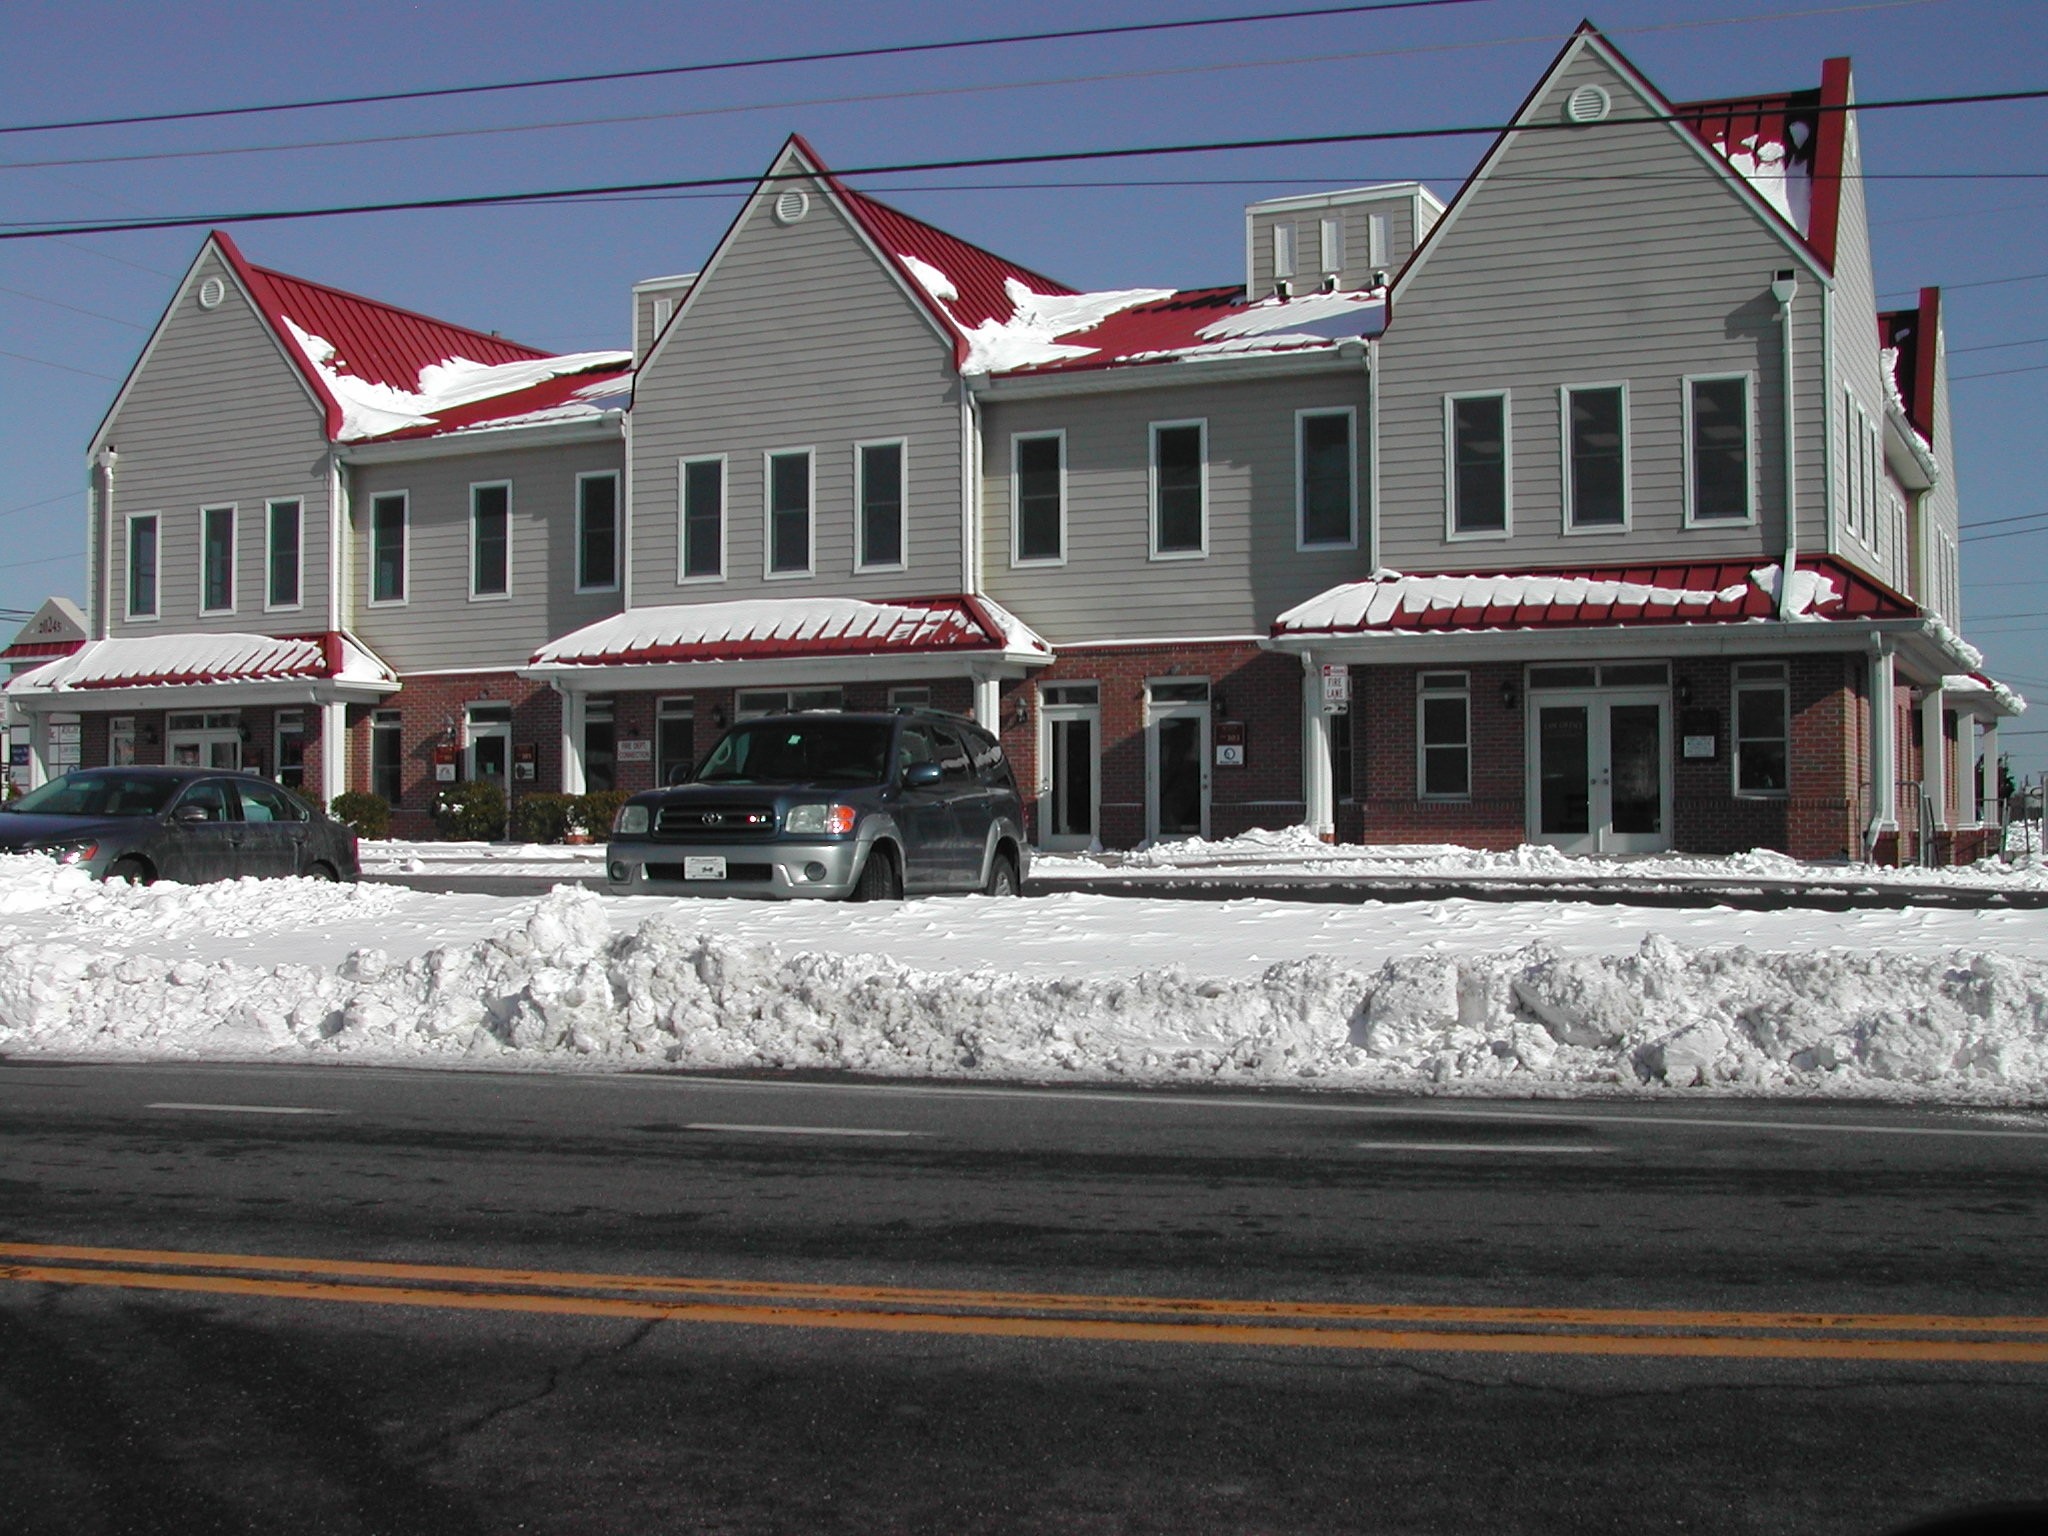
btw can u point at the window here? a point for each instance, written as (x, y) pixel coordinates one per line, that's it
(1444, 728)
(1376, 241)
(600, 747)
(1333, 244)
(388, 564)
(1326, 479)
(1477, 465)
(1180, 490)
(675, 739)
(142, 565)
(1596, 458)
(387, 761)
(285, 520)
(1717, 449)
(490, 540)
(597, 532)
(702, 553)
(291, 748)
(1038, 491)
(910, 698)
(1340, 754)
(878, 488)
(216, 559)
(1763, 728)
(750, 702)
(1283, 251)
(789, 513)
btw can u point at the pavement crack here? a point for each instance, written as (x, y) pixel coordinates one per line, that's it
(557, 1377)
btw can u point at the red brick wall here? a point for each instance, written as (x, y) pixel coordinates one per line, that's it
(1384, 767)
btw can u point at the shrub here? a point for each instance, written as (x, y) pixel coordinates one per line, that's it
(473, 811)
(596, 813)
(541, 818)
(365, 815)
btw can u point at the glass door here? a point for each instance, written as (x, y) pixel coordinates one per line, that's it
(1600, 771)
(1177, 777)
(1070, 793)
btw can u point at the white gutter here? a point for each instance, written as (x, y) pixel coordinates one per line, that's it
(101, 626)
(1198, 370)
(1372, 439)
(486, 440)
(970, 486)
(337, 547)
(626, 515)
(1784, 287)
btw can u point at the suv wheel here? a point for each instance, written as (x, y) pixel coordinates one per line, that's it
(879, 880)
(1002, 877)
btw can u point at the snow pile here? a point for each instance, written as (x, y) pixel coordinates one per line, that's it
(1775, 176)
(930, 278)
(1027, 338)
(562, 987)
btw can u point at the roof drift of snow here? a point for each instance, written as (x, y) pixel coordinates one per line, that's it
(930, 278)
(789, 621)
(1775, 177)
(372, 410)
(1026, 339)
(561, 988)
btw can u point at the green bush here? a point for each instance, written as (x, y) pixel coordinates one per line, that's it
(473, 811)
(365, 815)
(596, 813)
(541, 818)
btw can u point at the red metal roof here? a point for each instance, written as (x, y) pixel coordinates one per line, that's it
(550, 394)
(39, 650)
(182, 660)
(769, 629)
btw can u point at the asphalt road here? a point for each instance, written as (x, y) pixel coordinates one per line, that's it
(350, 1300)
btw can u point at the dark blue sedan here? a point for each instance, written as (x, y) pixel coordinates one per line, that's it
(183, 824)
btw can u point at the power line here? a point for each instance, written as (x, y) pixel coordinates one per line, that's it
(1994, 522)
(826, 56)
(94, 314)
(47, 501)
(1997, 373)
(1999, 346)
(1053, 157)
(43, 362)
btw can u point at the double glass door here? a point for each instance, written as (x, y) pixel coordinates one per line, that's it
(1600, 771)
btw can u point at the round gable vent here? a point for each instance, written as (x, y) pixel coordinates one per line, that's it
(1588, 104)
(211, 292)
(792, 206)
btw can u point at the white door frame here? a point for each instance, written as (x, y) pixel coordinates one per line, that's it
(1048, 716)
(1599, 836)
(1155, 713)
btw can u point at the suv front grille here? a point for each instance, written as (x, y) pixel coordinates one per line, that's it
(714, 823)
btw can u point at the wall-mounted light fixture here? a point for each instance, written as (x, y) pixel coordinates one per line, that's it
(1020, 711)
(1221, 709)
(718, 716)
(1507, 695)
(1683, 692)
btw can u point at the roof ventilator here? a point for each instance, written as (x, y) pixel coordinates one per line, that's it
(1587, 104)
(791, 206)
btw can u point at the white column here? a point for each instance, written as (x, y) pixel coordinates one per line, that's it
(988, 704)
(38, 749)
(1320, 813)
(573, 782)
(333, 750)
(1991, 800)
(1969, 807)
(1884, 759)
(1934, 757)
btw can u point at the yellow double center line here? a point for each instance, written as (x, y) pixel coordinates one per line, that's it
(1049, 1315)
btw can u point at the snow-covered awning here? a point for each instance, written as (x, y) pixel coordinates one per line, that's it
(1982, 696)
(797, 637)
(139, 671)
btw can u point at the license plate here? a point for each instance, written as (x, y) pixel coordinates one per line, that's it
(703, 867)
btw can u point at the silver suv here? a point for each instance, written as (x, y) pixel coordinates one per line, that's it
(867, 807)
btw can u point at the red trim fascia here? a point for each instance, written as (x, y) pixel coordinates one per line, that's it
(1926, 339)
(40, 650)
(177, 679)
(1830, 151)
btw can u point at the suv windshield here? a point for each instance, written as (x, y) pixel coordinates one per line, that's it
(98, 794)
(821, 751)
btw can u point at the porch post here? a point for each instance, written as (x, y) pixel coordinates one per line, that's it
(988, 704)
(333, 750)
(1989, 796)
(1969, 802)
(573, 782)
(1320, 812)
(1934, 756)
(38, 749)
(1884, 762)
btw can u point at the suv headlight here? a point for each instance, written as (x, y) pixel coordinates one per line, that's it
(631, 821)
(836, 819)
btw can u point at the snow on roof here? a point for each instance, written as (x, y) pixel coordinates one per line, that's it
(1977, 685)
(180, 660)
(1788, 146)
(1714, 593)
(756, 629)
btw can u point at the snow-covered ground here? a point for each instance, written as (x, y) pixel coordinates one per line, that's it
(1527, 997)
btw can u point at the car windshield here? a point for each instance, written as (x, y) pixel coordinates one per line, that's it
(823, 751)
(98, 794)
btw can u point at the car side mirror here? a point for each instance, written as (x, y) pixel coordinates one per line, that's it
(189, 813)
(922, 775)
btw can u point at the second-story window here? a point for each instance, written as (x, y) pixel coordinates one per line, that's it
(1038, 493)
(387, 547)
(878, 470)
(1180, 523)
(1717, 449)
(701, 530)
(142, 566)
(1478, 464)
(216, 559)
(490, 540)
(1596, 458)
(789, 513)
(1326, 480)
(282, 578)
(597, 532)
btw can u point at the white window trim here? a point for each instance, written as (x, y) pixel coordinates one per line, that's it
(1301, 542)
(156, 579)
(404, 554)
(768, 458)
(1017, 440)
(861, 564)
(1331, 224)
(1452, 533)
(683, 518)
(1286, 240)
(1152, 431)
(1564, 453)
(474, 595)
(1422, 694)
(1749, 439)
(270, 506)
(618, 518)
(1739, 685)
(234, 556)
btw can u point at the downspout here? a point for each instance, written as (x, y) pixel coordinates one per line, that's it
(1372, 450)
(1884, 784)
(970, 487)
(337, 544)
(104, 619)
(626, 512)
(1784, 287)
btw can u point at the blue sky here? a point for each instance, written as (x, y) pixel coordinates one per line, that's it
(1961, 195)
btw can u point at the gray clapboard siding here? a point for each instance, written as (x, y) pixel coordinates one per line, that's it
(216, 416)
(439, 626)
(1110, 588)
(1616, 255)
(798, 337)
(1941, 508)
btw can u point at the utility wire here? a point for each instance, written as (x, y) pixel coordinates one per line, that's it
(21, 293)
(47, 501)
(42, 362)
(1054, 157)
(1997, 373)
